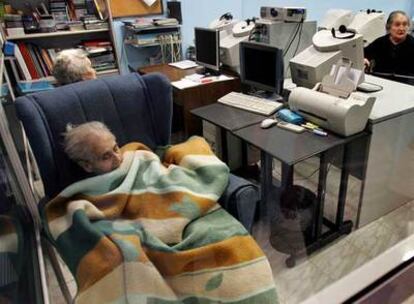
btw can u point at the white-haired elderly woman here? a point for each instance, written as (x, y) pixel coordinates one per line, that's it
(392, 53)
(72, 65)
(93, 146)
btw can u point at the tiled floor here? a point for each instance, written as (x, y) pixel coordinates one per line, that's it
(313, 273)
(317, 271)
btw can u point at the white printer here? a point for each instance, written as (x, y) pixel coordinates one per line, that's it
(333, 105)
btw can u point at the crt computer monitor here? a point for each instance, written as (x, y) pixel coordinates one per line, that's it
(261, 66)
(207, 45)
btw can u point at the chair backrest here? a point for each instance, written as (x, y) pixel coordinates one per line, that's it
(134, 107)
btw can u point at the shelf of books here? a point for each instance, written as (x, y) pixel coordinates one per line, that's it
(55, 34)
(34, 39)
(32, 62)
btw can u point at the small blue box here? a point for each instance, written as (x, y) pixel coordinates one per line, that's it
(290, 116)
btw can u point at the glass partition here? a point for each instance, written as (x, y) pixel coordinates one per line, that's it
(22, 278)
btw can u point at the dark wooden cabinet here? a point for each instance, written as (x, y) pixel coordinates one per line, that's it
(194, 97)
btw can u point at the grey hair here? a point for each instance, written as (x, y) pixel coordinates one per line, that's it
(76, 142)
(70, 66)
(392, 16)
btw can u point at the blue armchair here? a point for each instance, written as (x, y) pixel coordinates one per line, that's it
(134, 107)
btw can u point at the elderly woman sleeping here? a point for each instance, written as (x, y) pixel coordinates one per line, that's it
(147, 227)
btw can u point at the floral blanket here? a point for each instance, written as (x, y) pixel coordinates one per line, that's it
(152, 231)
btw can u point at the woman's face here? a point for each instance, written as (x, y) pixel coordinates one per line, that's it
(399, 28)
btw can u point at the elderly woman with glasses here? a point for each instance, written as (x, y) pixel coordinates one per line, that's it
(392, 54)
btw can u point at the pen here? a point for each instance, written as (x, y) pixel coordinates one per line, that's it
(309, 126)
(319, 132)
(206, 80)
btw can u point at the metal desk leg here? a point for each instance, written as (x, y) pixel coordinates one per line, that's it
(265, 180)
(287, 176)
(286, 183)
(343, 188)
(323, 171)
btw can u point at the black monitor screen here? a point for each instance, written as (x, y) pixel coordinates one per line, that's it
(261, 66)
(207, 43)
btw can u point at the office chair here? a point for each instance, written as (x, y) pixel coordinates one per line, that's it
(134, 107)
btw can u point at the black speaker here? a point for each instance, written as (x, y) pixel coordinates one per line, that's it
(174, 10)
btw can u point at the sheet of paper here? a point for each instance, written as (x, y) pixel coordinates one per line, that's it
(194, 77)
(198, 79)
(184, 83)
(223, 77)
(184, 64)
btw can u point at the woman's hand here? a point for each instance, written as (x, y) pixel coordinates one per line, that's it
(367, 64)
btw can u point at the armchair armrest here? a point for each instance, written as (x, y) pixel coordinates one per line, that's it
(240, 200)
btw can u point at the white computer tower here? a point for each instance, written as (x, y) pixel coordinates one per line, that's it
(292, 37)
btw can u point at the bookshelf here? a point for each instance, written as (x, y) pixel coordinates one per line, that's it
(55, 34)
(38, 49)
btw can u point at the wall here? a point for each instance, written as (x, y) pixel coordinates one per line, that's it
(317, 8)
(202, 12)
(194, 13)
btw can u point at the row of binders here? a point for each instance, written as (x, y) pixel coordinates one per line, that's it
(72, 10)
(28, 61)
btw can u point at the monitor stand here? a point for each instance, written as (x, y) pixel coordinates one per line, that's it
(266, 95)
(208, 72)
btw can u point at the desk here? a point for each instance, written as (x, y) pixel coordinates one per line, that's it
(389, 177)
(194, 97)
(291, 148)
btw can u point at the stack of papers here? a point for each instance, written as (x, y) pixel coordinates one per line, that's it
(184, 83)
(185, 64)
(198, 79)
(195, 77)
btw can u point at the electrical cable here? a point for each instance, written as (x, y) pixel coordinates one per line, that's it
(297, 47)
(300, 37)
(296, 30)
(173, 58)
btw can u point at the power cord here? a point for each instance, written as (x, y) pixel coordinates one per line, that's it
(296, 31)
(297, 46)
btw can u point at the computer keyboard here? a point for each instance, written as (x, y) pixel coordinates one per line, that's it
(250, 103)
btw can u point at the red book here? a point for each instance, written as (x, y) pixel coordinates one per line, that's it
(92, 43)
(28, 60)
(38, 53)
(47, 60)
(35, 59)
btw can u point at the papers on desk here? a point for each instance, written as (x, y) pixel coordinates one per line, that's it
(184, 64)
(184, 83)
(198, 79)
(195, 77)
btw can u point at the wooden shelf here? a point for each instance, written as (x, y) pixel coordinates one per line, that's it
(52, 79)
(55, 34)
(152, 28)
(135, 45)
(107, 72)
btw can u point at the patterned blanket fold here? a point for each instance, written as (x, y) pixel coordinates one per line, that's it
(152, 231)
